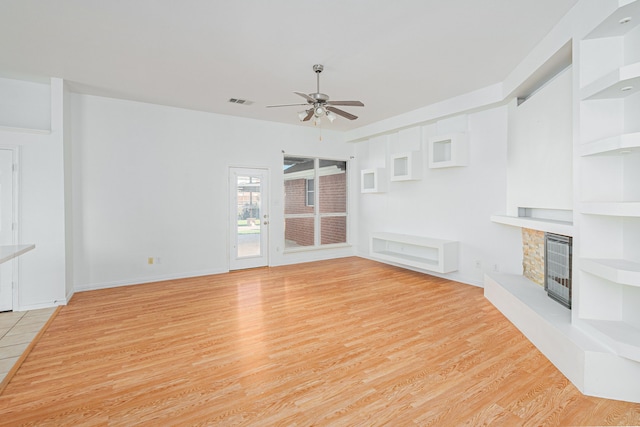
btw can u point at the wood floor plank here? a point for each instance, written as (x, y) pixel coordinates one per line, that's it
(342, 342)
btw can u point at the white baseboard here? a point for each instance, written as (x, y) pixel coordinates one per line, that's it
(148, 279)
(41, 305)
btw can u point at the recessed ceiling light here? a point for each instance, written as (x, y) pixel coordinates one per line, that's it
(625, 151)
(626, 89)
(625, 20)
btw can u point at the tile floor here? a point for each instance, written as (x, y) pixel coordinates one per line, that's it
(17, 329)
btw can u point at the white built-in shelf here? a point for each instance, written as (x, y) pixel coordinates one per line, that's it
(406, 166)
(547, 225)
(610, 86)
(615, 270)
(613, 146)
(611, 26)
(621, 336)
(447, 151)
(415, 251)
(629, 209)
(373, 180)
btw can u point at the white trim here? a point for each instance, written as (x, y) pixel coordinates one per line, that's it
(149, 279)
(41, 305)
(25, 130)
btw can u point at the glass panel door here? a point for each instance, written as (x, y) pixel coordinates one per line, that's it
(249, 218)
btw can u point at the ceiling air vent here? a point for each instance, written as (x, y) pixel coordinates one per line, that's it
(240, 101)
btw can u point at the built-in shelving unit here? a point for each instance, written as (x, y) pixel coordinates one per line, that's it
(373, 180)
(608, 154)
(614, 270)
(415, 251)
(619, 209)
(406, 166)
(613, 146)
(620, 83)
(621, 336)
(447, 151)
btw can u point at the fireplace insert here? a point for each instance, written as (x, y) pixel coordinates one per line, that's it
(557, 267)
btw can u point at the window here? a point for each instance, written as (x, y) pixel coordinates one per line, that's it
(311, 194)
(315, 202)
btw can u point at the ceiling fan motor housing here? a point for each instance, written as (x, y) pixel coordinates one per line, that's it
(319, 97)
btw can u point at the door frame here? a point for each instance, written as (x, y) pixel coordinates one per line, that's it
(262, 260)
(14, 263)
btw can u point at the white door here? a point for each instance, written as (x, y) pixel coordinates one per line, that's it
(6, 227)
(249, 218)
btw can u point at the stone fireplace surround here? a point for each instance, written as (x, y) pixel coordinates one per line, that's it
(533, 255)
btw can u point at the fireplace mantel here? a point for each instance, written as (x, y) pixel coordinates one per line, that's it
(547, 225)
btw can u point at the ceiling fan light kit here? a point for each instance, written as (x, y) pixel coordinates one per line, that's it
(320, 105)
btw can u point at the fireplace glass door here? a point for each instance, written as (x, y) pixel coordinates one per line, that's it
(557, 265)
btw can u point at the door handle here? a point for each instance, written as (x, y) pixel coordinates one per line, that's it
(266, 222)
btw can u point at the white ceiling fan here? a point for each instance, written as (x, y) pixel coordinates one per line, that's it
(320, 105)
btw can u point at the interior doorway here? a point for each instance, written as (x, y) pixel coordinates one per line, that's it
(248, 218)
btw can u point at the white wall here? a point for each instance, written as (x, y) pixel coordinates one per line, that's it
(448, 203)
(25, 104)
(540, 151)
(41, 219)
(152, 181)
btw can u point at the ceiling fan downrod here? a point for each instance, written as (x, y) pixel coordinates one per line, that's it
(318, 69)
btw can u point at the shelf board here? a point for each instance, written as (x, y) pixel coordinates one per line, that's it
(611, 27)
(398, 256)
(415, 251)
(615, 270)
(610, 86)
(614, 146)
(550, 226)
(622, 337)
(628, 209)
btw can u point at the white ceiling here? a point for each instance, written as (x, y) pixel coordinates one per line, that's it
(395, 56)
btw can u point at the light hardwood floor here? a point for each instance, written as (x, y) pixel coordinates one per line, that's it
(341, 342)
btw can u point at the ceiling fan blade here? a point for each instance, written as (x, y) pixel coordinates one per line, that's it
(350, 103)
(341, 113)
(287, 105)
(309, 114)
(305, 96)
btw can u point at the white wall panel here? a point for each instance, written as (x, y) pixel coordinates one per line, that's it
(25, 104)
(152, 181)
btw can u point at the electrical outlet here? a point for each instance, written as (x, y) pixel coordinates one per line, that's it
(478, 264)
(150, 260)
(157, 260)
(496, 268)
